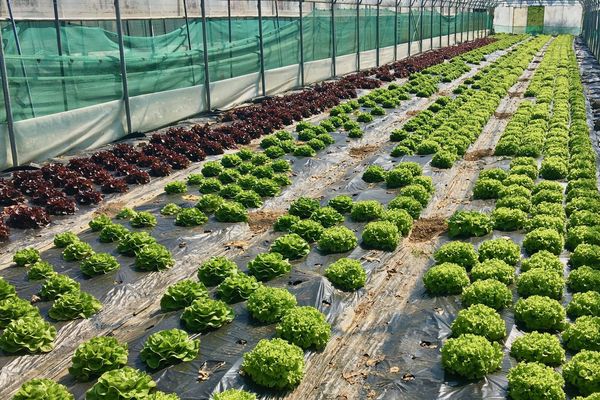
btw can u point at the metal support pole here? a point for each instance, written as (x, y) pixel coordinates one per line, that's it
(123, 66)
(262, 49)
(421, 27)
(205, 55)
(18, 46)
(333, 52)
(59, 50)
(431, 25)
(468, 21)
(358, 34)
(301, 44)
(377, 29)
(230, 37)
(189, 40)
(409, 24)
(462, 23)
(8, 107)
(455, 24)
(441, 26)
(396, 30)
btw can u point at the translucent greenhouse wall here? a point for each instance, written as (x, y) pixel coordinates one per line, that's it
(75, 100)
(556, 19)
(591, 29)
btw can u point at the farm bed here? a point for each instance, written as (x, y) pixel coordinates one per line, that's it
(363, 359)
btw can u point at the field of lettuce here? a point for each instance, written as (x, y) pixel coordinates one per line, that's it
(429, 229)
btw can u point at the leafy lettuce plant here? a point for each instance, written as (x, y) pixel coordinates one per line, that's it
(132, 242)
(544, 348)
(275, 364)
(366, 210)
(481, 320)
(346, 274)
(585, 254)
(30, 333)
(99, 263)
(266, 187)
(99, 222)
(285, 222)
(337, 239)
(540, 313)
(535, 381)
(125, 213)
(342, 203)
(236, 288)
(64, 239)
(267, 266)
(230, 211)
(374, 174)
(169, 347)
(209, 203)
(541, 282)
(41, 389)
(468, 224)
(381, 235)
(269, 304)
(154, 257)
(57, 285)
(586, 303)
(206, 314)
(489, 292)
(213, 271)
(456, 252)
(305, 327)
(400, 218)
(494, 269)
(290, 246)
(77, 251)
(500, 249)
(308, 230)
(583, 372)
(112, 233)
(542, 259)
(182, 294)
(143, 219)
(584, 279)
(40, 270)
(73, 305)
(249, 199)
(407, 203)
(471, 356)
(190, 217)
(327, 216)
(6, 289)
(14, 308)
(122, 383)
(176, 187)
(583, 334)
(543, 239)
(303, 207)
(445, 279)
(97, 356)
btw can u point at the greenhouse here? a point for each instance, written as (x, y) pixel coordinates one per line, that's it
(263, 199)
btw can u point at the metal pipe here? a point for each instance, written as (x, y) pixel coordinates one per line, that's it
(59, 49)
(409, 25)
(431, 25)
(205, 55)
(358, 34)
(301, 44)
(8, 107)
(448, 27)
(18, 45)
(230, 37)
(421, 26)
(396, 30)
(333, 52)
(462, 22)
(377, 34)
(262, 50)
(189, 40)
(123, 66)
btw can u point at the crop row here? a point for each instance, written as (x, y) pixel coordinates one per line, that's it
(57, 189)
(560, 134)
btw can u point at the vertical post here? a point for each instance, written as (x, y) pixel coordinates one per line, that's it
(462, 22)
(358, 34)
(123, 66)
(377, 28)
(396, 30)
(205, 55)
(441, 25)
(301, 44)
(455, 23)
(431, 25)
(410, 2)
(230, 37)
(262, 49)
(333, 52)
(59, 50)
(422, 4)
(189, 40)
(18, 46)
(468, 20)
(8, 107)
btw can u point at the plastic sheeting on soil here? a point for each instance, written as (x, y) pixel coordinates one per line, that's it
(126, 293)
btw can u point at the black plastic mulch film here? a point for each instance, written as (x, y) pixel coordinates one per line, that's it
(414, 334)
